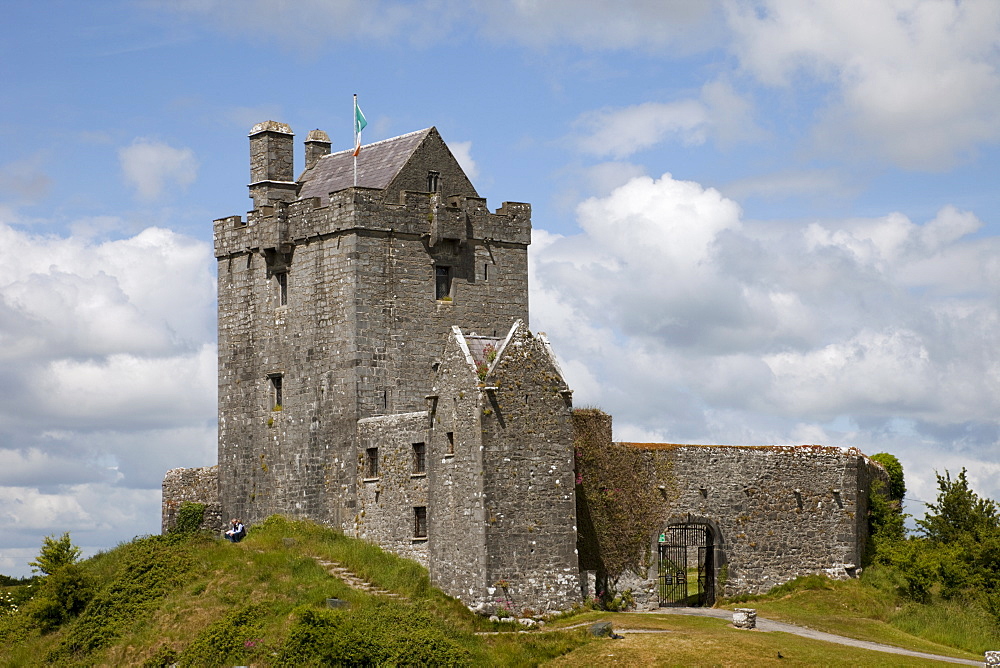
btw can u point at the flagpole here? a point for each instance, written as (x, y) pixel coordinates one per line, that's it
(354, 120)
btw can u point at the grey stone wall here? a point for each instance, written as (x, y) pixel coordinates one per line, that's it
(503, 504)
(386, 501)
(195, 485)
(776, 512)
(360, 329)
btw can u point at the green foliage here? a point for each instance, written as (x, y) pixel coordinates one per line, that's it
(164, 657)
(189, 518)
(380, 633)
(233, 639)
(959, 513)
(897, 485)
(56, 553)
(618, 505)
(147, 569)
(63, 595)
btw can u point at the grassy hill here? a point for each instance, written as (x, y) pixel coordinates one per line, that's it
(196, 601)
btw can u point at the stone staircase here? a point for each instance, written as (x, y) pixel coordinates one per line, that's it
(352, 580)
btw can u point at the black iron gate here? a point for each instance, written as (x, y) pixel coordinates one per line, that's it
(687, 566)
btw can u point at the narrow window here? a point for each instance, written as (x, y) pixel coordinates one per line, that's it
(281, 282)
(433, 181)
(420, 522)
(371, 463)
(276, 397)
(451, 442)
(486, 272)
(419, 458)
(442, 286)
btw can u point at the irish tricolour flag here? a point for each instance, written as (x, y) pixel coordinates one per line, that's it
(359, 125)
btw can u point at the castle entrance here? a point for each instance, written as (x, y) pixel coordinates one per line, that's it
(686, 566)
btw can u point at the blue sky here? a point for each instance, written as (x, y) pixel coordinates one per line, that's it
(755, 222)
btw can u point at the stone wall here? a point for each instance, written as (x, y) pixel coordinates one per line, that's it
(775, 512)
(387, 501)
(195, 485)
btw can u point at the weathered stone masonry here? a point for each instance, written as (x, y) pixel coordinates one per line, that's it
(377, 374)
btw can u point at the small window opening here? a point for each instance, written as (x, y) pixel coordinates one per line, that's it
(419, 458)
(442, 286)
(276, 397)
(486, 272)
(451, 442)
(371, 463)
(385, 399)
(420, 522)
(281, 279)
(433, 181)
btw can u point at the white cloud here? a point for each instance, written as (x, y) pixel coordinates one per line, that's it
(151, 167)
(916, 81)
(462, 151)
(109, 359)
(690, 324)
(719, 113)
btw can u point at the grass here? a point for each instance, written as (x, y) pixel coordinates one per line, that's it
(262, 602)
(700, 641)
(856, 609)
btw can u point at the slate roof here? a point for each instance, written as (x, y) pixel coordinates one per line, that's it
(378, 163)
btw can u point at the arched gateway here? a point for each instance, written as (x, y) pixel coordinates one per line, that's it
(686, 565)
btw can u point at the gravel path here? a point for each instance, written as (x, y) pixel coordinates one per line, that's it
(771, 625)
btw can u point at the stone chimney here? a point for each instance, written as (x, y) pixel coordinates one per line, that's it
(271, 177)
(317, 145)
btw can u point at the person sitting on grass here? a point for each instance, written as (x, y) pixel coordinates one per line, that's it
(236, 531)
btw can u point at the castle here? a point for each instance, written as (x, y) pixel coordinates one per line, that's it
(377, 374)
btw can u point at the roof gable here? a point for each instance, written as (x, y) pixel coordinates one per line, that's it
(392, 165)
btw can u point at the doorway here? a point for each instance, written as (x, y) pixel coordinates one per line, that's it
(686, 566)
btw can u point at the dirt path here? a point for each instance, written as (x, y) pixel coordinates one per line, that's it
(771, 625)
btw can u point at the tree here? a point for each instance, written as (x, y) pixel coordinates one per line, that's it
(56, 553)
(959, 513)
(897, 486)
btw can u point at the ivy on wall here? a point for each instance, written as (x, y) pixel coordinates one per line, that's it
(619, 503)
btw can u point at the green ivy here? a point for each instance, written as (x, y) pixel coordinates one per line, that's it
(190, 517)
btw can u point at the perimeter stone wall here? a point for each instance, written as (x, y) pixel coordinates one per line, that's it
(195, 485)
(776, 512)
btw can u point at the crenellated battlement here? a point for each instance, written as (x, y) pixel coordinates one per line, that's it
(418, 214)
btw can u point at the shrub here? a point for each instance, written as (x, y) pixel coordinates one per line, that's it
(56, 553)
(189, 518)
(232, 638)
(380, 633)
(63, 595)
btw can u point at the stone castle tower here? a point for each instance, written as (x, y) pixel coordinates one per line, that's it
(375, 365)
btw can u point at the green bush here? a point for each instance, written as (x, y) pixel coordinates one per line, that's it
(234, 638)
(380, 633)
(56, 553)
(189, 518)
(63, 595)
(147, 569)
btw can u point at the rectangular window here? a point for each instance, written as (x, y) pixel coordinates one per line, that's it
(281, 282)
(276, 397)
(371, 463)
(442, 286)
(420, 522)
(451, 442)
(433, 182)
(486, 272)
(419, 458)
